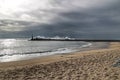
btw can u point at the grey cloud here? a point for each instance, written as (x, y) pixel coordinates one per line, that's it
(70, 20)
(92, 24)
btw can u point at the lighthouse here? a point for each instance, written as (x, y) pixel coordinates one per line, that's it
(32, 37)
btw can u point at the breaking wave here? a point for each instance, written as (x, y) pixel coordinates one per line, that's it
(56, 37)
(22, 50)
(29, 55)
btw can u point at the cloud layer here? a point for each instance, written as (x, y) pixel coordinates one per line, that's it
(78, 18)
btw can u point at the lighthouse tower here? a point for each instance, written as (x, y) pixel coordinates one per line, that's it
(32, 37)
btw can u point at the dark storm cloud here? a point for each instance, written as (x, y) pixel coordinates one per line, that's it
(67, 20)
(103, 22)
(96, 23)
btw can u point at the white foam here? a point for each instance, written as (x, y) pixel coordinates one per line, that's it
(17, 57)
(56, 37)
(89, 44)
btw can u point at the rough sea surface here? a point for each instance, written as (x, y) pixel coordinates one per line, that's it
(22, 49)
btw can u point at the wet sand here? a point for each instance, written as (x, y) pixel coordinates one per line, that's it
(94, 63)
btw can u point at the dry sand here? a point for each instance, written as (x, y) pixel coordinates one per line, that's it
(87, 65)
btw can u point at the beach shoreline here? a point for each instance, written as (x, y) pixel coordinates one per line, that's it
(91, 64)
(47, 59)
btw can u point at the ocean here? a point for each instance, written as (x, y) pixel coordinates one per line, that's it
(22, 49)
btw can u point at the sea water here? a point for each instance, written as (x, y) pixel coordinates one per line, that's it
(22, 49)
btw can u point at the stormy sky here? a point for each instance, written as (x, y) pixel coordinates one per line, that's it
(94, 19)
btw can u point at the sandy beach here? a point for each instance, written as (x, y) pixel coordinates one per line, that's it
(98, 62)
